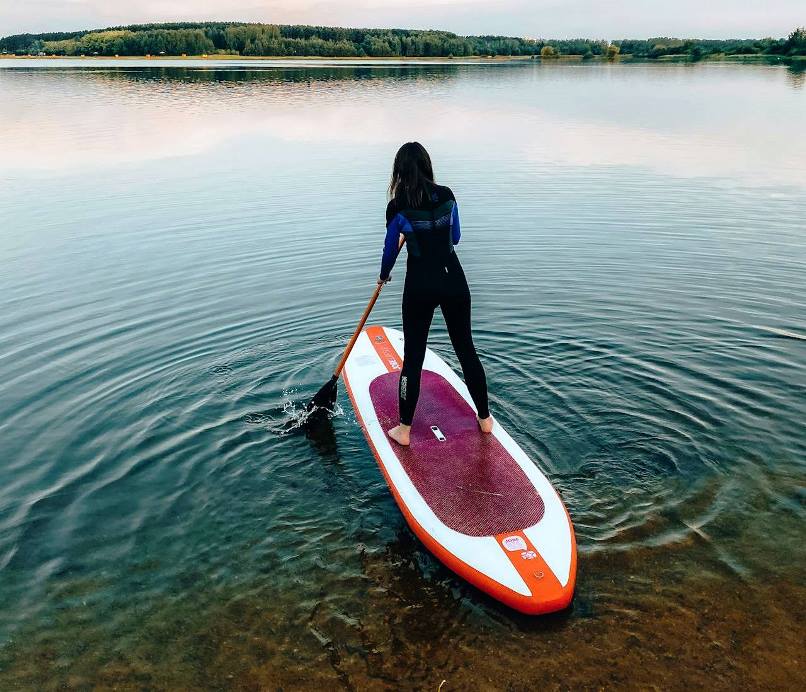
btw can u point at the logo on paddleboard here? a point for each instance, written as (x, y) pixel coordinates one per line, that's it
(528, 554)
(514, 543)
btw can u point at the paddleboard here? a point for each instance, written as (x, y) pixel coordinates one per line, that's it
(476, 501)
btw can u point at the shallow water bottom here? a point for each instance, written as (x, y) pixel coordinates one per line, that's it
(640, 619)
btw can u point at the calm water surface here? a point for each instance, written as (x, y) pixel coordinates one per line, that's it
(185, 247)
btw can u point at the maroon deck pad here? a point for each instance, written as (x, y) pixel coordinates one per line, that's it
(470, 481)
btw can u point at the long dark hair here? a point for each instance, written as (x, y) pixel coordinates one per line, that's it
(412, 175)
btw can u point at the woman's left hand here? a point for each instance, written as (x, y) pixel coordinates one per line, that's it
(381, 281)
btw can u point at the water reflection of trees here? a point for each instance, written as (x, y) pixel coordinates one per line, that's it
(282, 74)
(796, 75)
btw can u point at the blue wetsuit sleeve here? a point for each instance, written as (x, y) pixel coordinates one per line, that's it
(390, 246)
(456, 229)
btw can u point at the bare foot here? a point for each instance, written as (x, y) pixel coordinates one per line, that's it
(486, 424)
(401, 434)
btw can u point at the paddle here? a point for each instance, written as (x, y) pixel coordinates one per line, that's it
(325, 398)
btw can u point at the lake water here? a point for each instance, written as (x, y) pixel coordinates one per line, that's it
(186, 246)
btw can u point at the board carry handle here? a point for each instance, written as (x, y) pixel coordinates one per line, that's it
(363, 320)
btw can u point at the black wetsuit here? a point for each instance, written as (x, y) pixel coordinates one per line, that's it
(434, 277)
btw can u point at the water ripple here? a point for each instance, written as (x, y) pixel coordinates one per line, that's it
(161, 330)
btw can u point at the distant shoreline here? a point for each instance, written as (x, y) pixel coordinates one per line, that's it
(217, 57)
(278, 41)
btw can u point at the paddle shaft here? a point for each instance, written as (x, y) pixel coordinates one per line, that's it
(362, 321)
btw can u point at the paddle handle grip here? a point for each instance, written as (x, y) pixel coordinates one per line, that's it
(363, 320)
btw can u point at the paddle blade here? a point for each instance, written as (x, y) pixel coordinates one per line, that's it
(325, 398)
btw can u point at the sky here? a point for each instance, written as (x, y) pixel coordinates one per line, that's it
(532, 18)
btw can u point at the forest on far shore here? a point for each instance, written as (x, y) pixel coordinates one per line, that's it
(227, 38)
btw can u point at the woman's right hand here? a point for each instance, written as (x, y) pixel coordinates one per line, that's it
(381, 281)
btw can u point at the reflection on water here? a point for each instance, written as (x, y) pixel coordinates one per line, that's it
(683, 120)
(797, 75)
(185, 249)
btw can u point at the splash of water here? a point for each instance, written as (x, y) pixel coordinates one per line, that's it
(295, 417)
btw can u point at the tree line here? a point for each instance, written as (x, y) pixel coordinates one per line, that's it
(793, 45)
(291, 40)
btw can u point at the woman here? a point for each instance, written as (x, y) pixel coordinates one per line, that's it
(427, 216)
